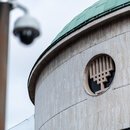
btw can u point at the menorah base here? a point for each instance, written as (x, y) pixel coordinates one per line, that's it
(101, 91)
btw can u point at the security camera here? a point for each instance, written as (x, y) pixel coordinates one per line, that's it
(27, 29)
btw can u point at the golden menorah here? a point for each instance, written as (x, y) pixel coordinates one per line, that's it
(99, 71)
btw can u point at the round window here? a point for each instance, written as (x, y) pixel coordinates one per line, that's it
(99, 74)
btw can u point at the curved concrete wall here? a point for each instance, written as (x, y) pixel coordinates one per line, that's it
(61, 102)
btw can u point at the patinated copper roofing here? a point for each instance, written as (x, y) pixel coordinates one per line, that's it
(97, 10)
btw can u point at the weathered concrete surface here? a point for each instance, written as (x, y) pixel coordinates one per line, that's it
(60, 99)
(106, 112)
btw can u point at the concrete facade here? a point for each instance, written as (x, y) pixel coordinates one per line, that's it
(61, 102)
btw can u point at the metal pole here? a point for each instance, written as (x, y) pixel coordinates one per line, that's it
(4, 24)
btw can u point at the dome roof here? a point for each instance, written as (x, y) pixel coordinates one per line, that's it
(100, 8)
(97, 10)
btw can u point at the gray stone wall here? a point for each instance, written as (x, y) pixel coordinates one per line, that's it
(61, 102)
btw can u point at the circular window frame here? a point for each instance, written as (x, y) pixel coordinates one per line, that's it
(86, 73)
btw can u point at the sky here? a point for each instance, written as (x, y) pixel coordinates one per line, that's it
(52, 15)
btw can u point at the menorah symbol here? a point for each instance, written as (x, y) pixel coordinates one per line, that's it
(99, 71)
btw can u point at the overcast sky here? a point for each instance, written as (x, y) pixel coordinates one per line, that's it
(53, 15)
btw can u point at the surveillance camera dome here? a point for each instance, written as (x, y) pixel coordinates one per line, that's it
(27, 29)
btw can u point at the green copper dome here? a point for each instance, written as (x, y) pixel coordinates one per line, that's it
(95, 11)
